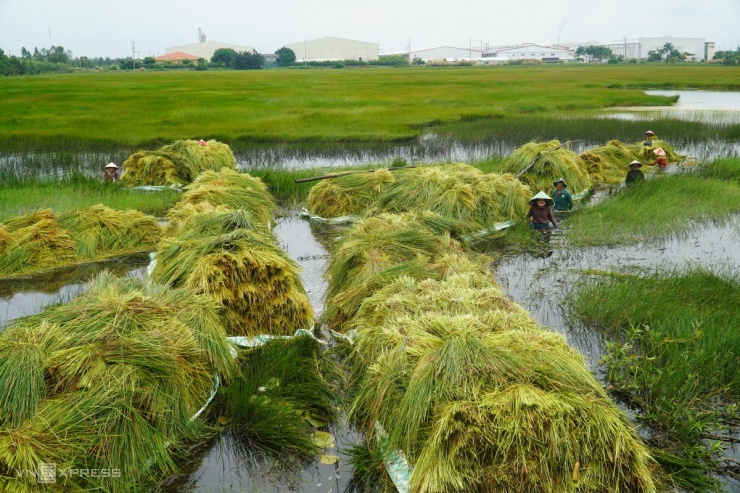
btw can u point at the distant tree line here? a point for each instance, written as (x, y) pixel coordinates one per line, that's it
(728, 57)
(668, 53)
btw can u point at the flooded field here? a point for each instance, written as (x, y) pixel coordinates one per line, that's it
(538, 282)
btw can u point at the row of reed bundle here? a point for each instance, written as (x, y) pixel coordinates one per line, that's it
(454, 191)
(178, 163)
(644, 153)
(608, 163)
(464, 382)
(110, 381)
(229, 189)
(551, 162)
(246, 272)
(43, 240)
(100, 231)
(349, 195)
(377, 250)
(221, 246)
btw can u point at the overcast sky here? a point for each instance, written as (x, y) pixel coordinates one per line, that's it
(109, 27)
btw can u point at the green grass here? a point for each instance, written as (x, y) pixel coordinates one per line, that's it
(659, 206)
(676, 349)
(143, 108)
(19, 196)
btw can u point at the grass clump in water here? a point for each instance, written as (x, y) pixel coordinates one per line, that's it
(281, 391)
(657, 207)
(177, 163)
(112, 380)
(674, 354)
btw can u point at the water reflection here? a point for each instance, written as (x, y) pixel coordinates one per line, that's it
(540, 283)
(30, 295)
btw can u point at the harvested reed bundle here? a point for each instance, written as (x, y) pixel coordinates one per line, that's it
(5, 239)
(203, 219)
(644, 153)
(476, 409)
(179, 215)
(459, 192)
(554, 162)
(101, 232)
(246, 272)
(231, 189)
(176, 164)
(23, 362)
(373, 253)
(348, 195)
(124, 365)
(37, 242)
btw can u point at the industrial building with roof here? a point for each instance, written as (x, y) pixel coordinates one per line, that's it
(529, 51)
(331, 48)
(442, 53)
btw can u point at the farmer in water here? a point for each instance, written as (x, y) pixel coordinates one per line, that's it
(660, 158)
(111, 173)
(540, 215)
(562, 197)
(634, 174)
(649, 136)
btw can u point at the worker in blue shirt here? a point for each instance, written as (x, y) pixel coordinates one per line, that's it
(562, 197)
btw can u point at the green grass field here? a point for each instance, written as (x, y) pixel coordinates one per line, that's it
(94, 110)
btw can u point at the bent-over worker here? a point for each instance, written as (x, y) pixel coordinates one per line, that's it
(540, 215)
(634, 174)
(111, 172)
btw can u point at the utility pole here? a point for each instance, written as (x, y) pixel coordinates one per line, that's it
(133, 52)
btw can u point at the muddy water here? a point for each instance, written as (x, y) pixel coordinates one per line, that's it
(223, 465)
(540, 282)
(30, 295)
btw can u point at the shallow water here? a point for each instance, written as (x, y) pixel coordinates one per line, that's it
(537, 282)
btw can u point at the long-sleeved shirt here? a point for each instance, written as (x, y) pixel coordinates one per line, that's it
(633, 176)
(541, 215)
(563, 201)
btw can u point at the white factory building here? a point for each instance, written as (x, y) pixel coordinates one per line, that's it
(443, 53)
(331, 48)
(529, 51)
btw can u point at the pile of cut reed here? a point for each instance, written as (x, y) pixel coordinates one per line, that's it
(456, 191)
(480, 398)
(101, 232)
(644, 153)
(377, 250)
(221, 247)
(349, 195)
(42, 241)
(608, 163)
(177, 163)
(552, 163)
(110, 381)
(464, 382)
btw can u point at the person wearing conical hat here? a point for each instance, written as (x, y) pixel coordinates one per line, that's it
(540, 215)
(562, 197)
(660, 158)
(649, 136)
(111, 173)
(634, 174)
